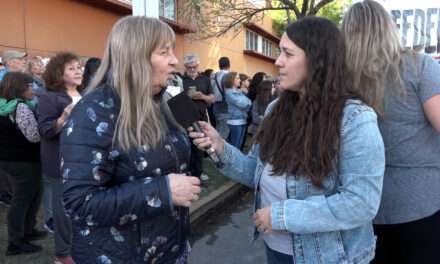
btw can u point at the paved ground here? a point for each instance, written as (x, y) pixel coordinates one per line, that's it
(44, 257)
(224, 236)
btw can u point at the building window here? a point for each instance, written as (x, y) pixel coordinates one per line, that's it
(267, 47)
(259, 44)
(167, 9)
(251, 40)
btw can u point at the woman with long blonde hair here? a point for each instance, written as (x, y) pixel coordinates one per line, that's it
(125, 160)
(404, 88)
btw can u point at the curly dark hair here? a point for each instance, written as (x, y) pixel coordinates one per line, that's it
(53, 76)
(302, 134)
(14, 85)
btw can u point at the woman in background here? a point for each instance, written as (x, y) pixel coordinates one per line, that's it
(63, 78)
(404, 88)
(238, 107)
(20, 158)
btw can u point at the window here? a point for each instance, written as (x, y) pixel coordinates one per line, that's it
(167, 9)
(259, 44)
(251, 40)
(267, 47)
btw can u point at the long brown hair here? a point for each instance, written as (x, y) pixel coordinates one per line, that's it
(264, 96)
(301, 135)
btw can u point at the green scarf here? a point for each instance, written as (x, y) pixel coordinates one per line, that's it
(8, 107)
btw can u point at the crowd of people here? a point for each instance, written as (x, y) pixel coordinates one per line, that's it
(344, 145)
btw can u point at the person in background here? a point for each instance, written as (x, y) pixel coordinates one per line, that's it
(244, 83)
(92, 65)
(253, 86)
(20, 158)
(238, 107)
(263, 99)
(125, 158)
(14, 61)
(174, 86)
(403, 86)
(63, 78)
(318, 160)
(198, 88)
(35, 67)
(210, 74)
(220, 107)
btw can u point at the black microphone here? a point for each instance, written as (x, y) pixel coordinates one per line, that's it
(187, 114)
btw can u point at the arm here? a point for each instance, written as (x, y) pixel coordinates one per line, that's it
(89, 194)
(50, 120)
(242, 102)
(256, 117)
(429, 91)
(357, 198)
(27, 123)
(432, 111)
(238, 166)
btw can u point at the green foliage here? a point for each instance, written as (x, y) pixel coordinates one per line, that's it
(333, 11)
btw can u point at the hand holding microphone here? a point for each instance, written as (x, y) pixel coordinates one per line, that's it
(206, 138)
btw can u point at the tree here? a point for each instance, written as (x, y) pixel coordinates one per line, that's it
(214, 18)
(333, 11)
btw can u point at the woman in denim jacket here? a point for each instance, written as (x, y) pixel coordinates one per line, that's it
(318, 162)
(238, 107)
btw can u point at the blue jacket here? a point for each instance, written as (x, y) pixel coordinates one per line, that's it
(333, 224)
(238, 104)
(119, 202)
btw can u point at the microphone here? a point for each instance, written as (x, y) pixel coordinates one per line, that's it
(186, 113)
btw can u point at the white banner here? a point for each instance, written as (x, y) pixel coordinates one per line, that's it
(418, 22)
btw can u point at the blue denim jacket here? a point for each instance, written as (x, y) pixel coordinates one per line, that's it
(332, 224)
(238, 104)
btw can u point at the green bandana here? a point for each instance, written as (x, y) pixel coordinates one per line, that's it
(8, 107)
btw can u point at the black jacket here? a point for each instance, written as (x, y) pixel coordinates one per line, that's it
(120, 202)
(50, 107)
(13, 144)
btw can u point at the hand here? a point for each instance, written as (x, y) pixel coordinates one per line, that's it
(198, 96)
(208, 138)
(67, 110)
(262, 220)
(184, 189)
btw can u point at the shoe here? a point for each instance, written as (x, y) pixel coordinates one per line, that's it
(35, 235)
(64, 260)
(48, 226)
(22, 248)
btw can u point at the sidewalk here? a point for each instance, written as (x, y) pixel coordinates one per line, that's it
(217, 189)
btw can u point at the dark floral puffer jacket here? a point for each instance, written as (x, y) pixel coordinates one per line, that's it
(120, 203)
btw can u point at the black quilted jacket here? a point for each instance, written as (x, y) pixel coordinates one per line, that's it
(119, 202)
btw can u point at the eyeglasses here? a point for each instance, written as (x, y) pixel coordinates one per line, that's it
(191, 67)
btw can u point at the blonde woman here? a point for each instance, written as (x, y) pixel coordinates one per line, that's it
(124, 158)
(404, 88)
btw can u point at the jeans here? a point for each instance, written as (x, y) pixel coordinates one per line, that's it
(275, 257)
(26, 178)
(236, 135)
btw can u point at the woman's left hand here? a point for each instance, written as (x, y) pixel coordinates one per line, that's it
(262, 220)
